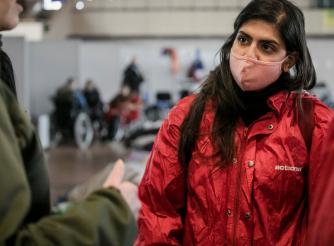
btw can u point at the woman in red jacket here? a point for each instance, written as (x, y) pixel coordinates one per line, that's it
(236, 163)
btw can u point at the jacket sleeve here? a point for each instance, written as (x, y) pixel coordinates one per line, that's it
(162, 189)
(320, 230)
(15, 194)
(322, 119)
(102, 219)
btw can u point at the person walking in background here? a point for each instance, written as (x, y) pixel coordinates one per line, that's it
(132, 76)
(237, 163)
(104, 218)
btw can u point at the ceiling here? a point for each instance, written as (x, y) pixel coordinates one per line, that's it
(33, 9)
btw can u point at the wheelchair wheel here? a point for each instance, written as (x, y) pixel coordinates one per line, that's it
(83, 131)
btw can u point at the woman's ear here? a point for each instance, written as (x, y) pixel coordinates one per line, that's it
(290, 61)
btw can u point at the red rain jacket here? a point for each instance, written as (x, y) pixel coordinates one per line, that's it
(259, 199)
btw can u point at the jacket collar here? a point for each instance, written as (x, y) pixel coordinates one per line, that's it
(278, 100)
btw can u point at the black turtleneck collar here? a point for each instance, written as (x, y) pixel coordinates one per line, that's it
(255, 102)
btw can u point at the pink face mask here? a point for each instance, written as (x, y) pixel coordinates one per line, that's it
(254, 75)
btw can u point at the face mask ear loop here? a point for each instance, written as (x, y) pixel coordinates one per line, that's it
(287, 64)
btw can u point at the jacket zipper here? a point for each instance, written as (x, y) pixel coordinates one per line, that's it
(238, 189)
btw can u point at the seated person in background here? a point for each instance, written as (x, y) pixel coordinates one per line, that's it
(68, 102)
(113, 115)
(124, 109)
(133, 108)
(94, 102)
(72, 95)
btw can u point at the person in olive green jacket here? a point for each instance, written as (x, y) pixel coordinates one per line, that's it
(104, 218)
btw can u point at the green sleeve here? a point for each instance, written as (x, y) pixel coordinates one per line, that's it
(15, 194)
(102, 219)
(24, 190)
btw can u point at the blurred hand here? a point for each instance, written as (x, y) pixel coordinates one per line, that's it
(128, 190)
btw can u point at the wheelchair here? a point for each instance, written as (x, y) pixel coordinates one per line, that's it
(70, 122)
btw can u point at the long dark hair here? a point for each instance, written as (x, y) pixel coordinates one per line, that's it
(222, 90)
(6, 70)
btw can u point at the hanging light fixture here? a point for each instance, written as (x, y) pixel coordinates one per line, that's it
(52, 4)
(80, 5)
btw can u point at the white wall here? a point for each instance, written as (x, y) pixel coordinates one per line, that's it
(51, 64)
(42, 67)
(323, 57)
(100, 62)
(104, 62)
(30, 30)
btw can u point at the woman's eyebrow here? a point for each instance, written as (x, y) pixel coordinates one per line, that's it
(245, 34)
(267, 40)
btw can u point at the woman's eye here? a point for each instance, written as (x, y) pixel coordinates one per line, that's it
(268, 47)
(242, 40)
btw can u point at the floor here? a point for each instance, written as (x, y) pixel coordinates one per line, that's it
(69, 166)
